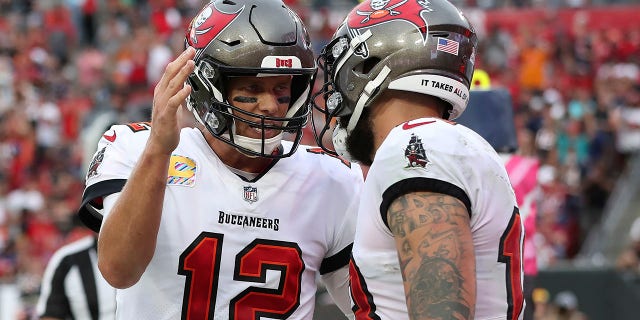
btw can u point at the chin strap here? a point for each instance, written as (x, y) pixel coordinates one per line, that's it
(253, 144)
(368, 91)
(340, 134)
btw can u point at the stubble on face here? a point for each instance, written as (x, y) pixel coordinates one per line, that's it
(360, 140)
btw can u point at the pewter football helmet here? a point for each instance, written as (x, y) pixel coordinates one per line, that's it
(423, 46)
(249, 38)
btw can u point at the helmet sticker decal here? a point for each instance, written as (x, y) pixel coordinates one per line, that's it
(368, 14)
(208, 24)
(281, 62)
(448, 46)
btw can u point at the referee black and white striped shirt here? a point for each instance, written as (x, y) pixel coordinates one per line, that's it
(72, 286)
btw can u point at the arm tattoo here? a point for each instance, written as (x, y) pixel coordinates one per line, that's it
(434, 292)
(435, 249)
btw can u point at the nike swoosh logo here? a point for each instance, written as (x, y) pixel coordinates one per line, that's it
(407, 125)
(110, 138)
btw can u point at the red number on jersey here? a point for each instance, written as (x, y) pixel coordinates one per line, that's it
(510, 253)
(139, 126)
(364, 308)
(252, 265)
(200, 263)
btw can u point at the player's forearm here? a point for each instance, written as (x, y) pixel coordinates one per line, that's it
(128, 235)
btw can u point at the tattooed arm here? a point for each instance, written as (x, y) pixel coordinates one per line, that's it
(435, 247)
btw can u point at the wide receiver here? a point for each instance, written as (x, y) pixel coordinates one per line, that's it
(225, 220)
(438, 234)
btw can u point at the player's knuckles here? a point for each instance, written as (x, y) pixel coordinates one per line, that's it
(173, 104)
(184, 59)
(173, 67)
(187, 69)
(184, 92)
(172, 87)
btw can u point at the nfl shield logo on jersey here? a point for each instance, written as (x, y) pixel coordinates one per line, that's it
(250, 194)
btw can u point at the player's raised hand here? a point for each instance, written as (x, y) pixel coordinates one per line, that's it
(168, 96)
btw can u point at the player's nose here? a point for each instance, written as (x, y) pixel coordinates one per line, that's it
(268, 104)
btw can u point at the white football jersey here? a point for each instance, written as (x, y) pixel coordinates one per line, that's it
(229, 248)
(434, 155)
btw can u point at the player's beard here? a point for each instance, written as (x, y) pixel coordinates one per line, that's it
(360, 140)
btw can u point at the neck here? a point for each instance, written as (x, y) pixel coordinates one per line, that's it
(231, 157)
(395, 108)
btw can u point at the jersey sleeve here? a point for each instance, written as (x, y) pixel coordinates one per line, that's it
(117, 153)
(347, 194)
(334, 269)
(427, 157)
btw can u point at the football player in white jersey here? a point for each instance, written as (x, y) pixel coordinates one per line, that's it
(225, 220)
(438, 234)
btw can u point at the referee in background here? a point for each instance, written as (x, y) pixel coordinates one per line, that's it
(73, 287)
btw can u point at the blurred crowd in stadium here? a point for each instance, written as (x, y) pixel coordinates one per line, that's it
(66, 63)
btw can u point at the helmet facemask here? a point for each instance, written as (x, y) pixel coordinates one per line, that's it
(267, 39)
(331, 60)
(333, 102)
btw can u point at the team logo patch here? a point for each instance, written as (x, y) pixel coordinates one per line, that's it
(95, 163)
(250, 194)
(414, 153)
(182, 171)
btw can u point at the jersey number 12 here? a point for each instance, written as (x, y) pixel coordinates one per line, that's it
(200, 263)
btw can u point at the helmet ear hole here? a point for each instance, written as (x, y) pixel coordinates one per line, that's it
(366, 66)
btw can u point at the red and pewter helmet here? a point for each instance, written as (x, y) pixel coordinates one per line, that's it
(249, 38)
(423, 46)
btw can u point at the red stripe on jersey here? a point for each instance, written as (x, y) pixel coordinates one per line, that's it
(364, 308)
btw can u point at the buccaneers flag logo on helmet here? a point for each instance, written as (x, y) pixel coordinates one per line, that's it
(208, 24)
(374, 12)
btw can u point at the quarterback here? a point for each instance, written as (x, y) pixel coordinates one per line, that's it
(225, 220)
